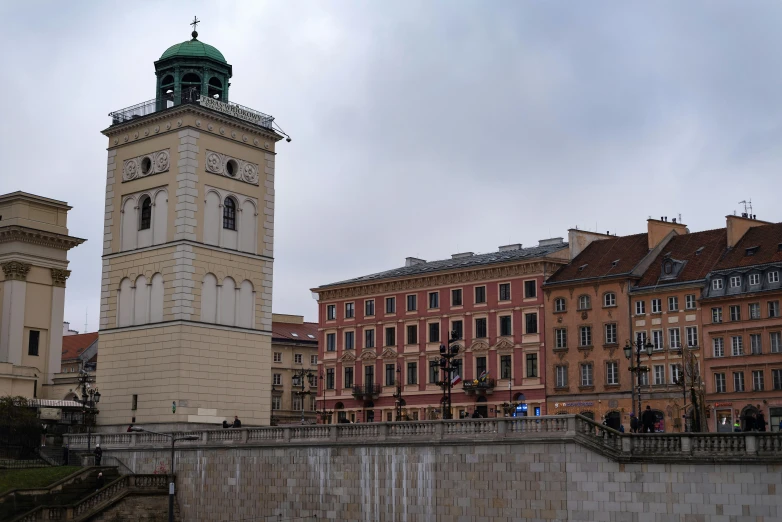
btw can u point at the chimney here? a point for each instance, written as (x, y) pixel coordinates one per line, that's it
(738, 226)
(550, 242)
(578, 240)
(658, 229)
(412, 261)
(463, 254)
(508, 248)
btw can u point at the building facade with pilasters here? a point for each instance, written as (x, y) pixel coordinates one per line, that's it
(185, 327)
(380, 336)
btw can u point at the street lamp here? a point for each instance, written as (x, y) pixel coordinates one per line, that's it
(447, 353)
(298, 380)
(398, 394)
(682, 379)
(324, 413)
(174, 439)
(637, 369)
(90, 397)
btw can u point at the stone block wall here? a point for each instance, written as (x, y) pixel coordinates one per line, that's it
(463, 482)
(136, 508)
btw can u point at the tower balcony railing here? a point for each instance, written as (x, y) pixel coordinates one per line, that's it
(191, 97)
(367, 392)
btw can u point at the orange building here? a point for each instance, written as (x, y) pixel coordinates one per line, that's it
(742, 328)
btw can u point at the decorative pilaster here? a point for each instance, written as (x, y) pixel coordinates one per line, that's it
(59, 275)
(16, 271)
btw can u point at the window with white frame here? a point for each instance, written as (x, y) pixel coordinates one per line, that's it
(659, 374)
(612, 373)
(559, 304)
(644, 378)
(640, 307)
(674, 338)
(716, 284)
(757, 380)
(369, 338)
(277, 379)
(390, 305)
(775, 341)
(505, 292)
(676, 373)
(718, 343)
(776, 376)
(350, 340)
(585, 334)
(658, 340)
(657, 305)
(754, 310)
(276, 402)
(689, 302)
(412, 303)
(735, 313)
(737, 345)
(735, 281)
(738, 381)
(755, 347)
(561, 376)
(313, 359)
(719, 383)
(640, 338)
(560, 336)
(434, 299)
(584, 303)
(716, 314)
(331, 312)
(586, 374)
(610, 333)
(692, 336)
(773, 308)
(278, 357)
(297, 358)
(609, 299)
(350, 310)
(296, 403)
(773, 277)
(331, 342)
(369, 307)
(673, 304)
(754, 279)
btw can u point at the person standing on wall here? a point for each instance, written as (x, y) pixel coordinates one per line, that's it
(237, 422)
(633, 423)
(98, 454)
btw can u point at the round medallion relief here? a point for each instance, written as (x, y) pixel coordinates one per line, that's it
(210, 127)
(198, 123)
(584, 316)
(135, 134)
(168, 125)
(179, 123)
(116, 141)
(256, 142)
(266, 145)
(222, 130)
(244, 138)
(157, 129)
(125, 137)
(146, 132)
(233, 134)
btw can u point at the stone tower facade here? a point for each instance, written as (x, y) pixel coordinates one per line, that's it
(186, 296)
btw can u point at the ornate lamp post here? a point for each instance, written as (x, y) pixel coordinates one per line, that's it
(637, 369)
(682, 380)
(171, 482)
(90, 397)
(398, 395)
(298, 380)
(324, 413)
(447, 353)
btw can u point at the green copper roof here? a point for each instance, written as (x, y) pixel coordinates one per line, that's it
(193, 49)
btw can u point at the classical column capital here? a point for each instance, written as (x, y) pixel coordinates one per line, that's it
(15, 270)
(59, 275)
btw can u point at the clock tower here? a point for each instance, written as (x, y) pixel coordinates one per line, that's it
(186, 298)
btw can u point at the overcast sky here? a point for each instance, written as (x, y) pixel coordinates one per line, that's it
(419, 128)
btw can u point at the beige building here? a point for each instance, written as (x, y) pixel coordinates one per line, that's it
(79, 352)
(34, 244)
(294, 370)
(185, 327)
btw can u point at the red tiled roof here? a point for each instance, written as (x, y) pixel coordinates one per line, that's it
(686, 247)
(767, 238)
(302, 331)
(598, 257)
(74, 345)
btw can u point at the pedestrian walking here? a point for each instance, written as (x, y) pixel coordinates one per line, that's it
(648, 420)
(621, 428)
(98, 454)
(65, 455)
(99, 482)
(736, 427)
(633, 423)
(749, 422)
(760, 421)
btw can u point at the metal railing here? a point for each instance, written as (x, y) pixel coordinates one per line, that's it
(367, 391)
(191, 96)
(584, 431)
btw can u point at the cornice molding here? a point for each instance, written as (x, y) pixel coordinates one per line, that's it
(439, 280)
(38, 237)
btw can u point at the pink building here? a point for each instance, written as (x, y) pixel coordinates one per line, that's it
(380, 336)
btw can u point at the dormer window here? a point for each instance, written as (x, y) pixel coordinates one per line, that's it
(716, 284)
(668, 267)
(773, 277)
(754, 279)
(582, 267)
(751, 251)
(735, 281)
(698, 252)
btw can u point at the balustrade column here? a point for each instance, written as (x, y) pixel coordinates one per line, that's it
(751, 442)
(502, 427)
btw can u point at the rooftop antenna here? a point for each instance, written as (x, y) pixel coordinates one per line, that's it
(747, 207)
(85, 319)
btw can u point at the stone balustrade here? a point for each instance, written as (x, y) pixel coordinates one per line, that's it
(609, 442)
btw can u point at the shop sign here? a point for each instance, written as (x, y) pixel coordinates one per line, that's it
(579, 404)
(721, 404)
(50, 413)
(232, 110)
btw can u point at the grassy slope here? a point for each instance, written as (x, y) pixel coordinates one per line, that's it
(33, 478)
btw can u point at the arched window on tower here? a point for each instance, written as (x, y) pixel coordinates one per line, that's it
(145, 217)
(167, 91)
(229, 214)
(191, 87)
(216, 88)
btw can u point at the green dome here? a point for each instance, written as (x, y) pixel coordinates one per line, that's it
(193, 49)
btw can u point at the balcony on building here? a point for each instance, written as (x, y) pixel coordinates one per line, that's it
(476, 387)
(367, 392)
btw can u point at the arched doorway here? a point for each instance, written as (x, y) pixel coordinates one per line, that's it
(748, 416)
(588, 414)
(481, 407)
(520, 409)
(369, 412)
